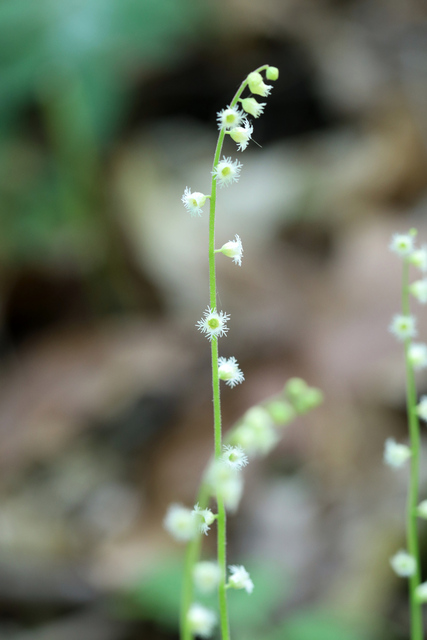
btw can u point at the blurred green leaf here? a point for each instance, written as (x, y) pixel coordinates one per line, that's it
(316, 625)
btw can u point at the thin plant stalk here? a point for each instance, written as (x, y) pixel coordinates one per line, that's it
(221, 522)
(412, 501)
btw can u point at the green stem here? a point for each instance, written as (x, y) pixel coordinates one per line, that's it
(414, 434)
(191, 557)
(193, 550)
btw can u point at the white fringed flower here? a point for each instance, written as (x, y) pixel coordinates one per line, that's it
(419, 290)
(403, 327)
(225, 482)
(422, 510)
(242, 135)
(206, 576)
(213, 324)
(240, 578)
(421, 592)
(419, 258)
(193, 201)
(257, 86)
(233, 249)
(229, 118)
(203, 518)
(395, 454)
(422, 408)
(201, 620)
(417, 355)
(234, 457)
(403, 564)
(402, 244)
(179, 522)
(228, 370)
(251, 106)
(227, 171)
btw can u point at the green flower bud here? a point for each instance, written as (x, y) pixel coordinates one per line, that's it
(280, 411)
(272, 73)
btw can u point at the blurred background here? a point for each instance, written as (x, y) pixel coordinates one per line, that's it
(107, 112)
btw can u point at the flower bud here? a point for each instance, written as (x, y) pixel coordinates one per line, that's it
(403, 564)
(272, 73)
(280, 411)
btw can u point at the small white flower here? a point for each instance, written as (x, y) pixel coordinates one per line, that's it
(227, 171)
(402, 244)
(395, 454)
(403, 327)
(193, 202)
(422, 408)
(226, 483)
(242, 135)
(229, 118)
(233, 249)
(403, 564)
(179, 522)
(257, 86)
(240, 578)
(417, 355)
(228, 370)
(201, 620)
(206, 576)
(251, 106)
(421, 592)
(419, 258)
(213, 324)
(203, 518)
(419, 290)
(422, 510)
(234, 457)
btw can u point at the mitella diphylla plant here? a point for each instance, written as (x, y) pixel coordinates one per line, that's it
(406, 562)
(258, 431)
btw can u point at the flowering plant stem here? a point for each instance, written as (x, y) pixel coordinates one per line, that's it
(221, 544)
(191, 557)
(414, 434)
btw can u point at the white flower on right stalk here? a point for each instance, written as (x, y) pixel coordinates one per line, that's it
(422, 408)
(395, 454)
(419, 290)
(240, 578)
(402, 244)
(419, 258)
(201, 620)
(403, 564)
(421, 592)
(403, 327)
(233, 249)
(417, 355)
(229, 371)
